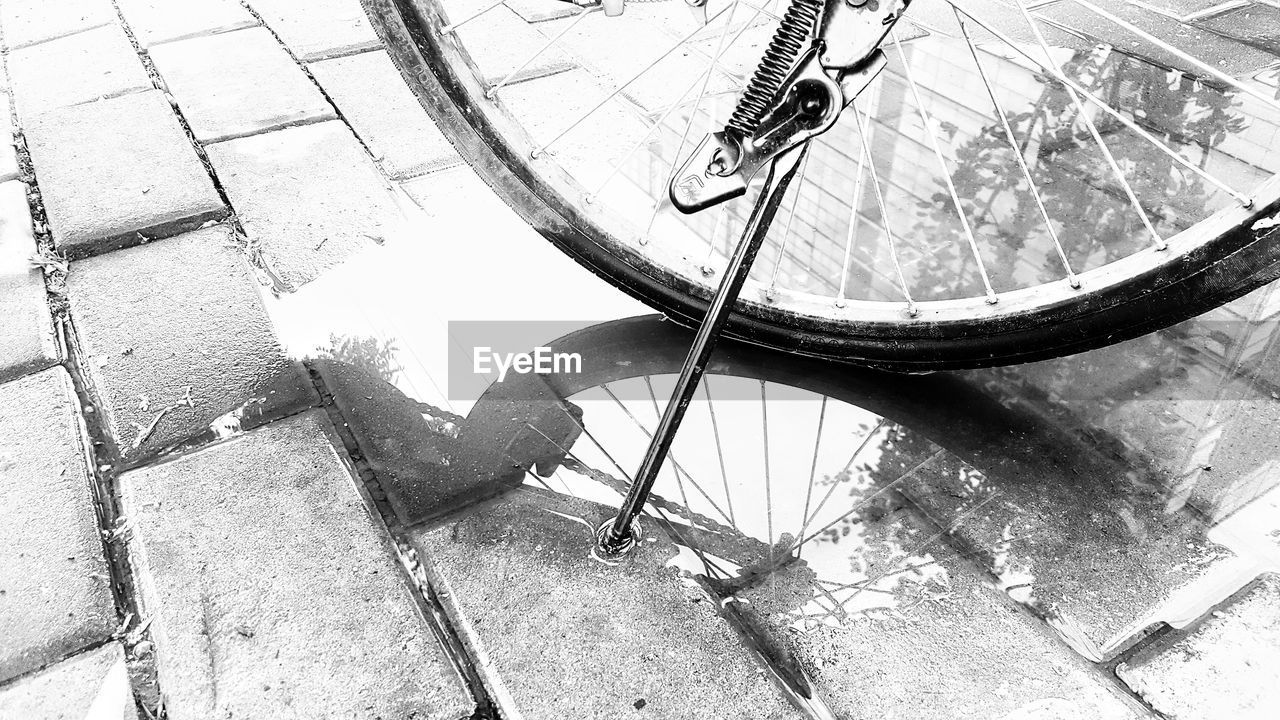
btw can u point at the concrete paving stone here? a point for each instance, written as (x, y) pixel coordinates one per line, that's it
(1229, 56)
(176, 319)
(55, 588)
(318, 29)
(1227, 667)
(1087, 540)
(500, 42)
(27, 342)
(253, 87)
(369, 91)
(561, 635)
(76, 69)
(158, 21)
(306, 228)
(273, 590)
(930, 639)
(1255, 23)
(118, 172)
(93, 685)
(8, 151)
(539, 10)
(31, 21)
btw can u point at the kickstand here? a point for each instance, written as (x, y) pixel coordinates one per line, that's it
(620, 534)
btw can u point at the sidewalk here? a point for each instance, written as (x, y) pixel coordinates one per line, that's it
(201, 525)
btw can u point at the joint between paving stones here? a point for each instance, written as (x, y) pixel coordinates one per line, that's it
(259, 264)
(103, 456)
(337, 111)
(429, 604)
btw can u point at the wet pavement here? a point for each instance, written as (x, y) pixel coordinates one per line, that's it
(346, 495)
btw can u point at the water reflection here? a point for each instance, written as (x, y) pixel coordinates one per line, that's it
(823, 496)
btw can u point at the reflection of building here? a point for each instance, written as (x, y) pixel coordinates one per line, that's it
(1229, 136)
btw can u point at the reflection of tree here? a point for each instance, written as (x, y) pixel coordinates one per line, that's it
(374, 356)
(1092, 215)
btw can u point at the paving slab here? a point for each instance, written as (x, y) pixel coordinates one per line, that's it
(1086, 540)
(174, 337)
(159, 21)
(254, 86)
(539, 11)
(118, 172)
(1227, 55)
(1254, 23)
(306, 228)
(27, 341)
(318, 29)
(369, 91)
(1227, 667)
(55, 589)
(75, 69)
(94, 684)
(274, 592)
(561, 635)
(32, 21)
(920, 634)
(501, 41)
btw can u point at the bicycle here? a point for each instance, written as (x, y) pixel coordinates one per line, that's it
(1054, 232)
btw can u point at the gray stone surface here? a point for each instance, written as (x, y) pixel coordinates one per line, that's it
(1254, 23)
(561, 635)
(55, 591)
(1227, 667)
(369, 91)
(317, 29)
(75, 69)
(158, 21)
(8, 153)
(273, 590)
(31, 21)
(305, 228)
(117, 172)
(928, 638)
(26, 328)
(91, 685)
(1088, 540)
(537, 11)
(173, 317)
(501, 41)
(238, 83)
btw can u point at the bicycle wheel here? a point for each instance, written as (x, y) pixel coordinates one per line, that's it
(1026, 183)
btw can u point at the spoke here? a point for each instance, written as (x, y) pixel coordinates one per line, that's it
(675, 469)
(674, 463)
(813, 465)
(863, 502)
(851, 237)
(454, 26)
(1083, 114)
(679, 103)
(893, 569)
(786, 228)
(912, 310)
(693, 113)
(1074, 88)
(835, 481)
(493, 91)
(768, 478)
(715, 430)
(1017, 150)
(614, 93)
(927, 120)
(1224, 77)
